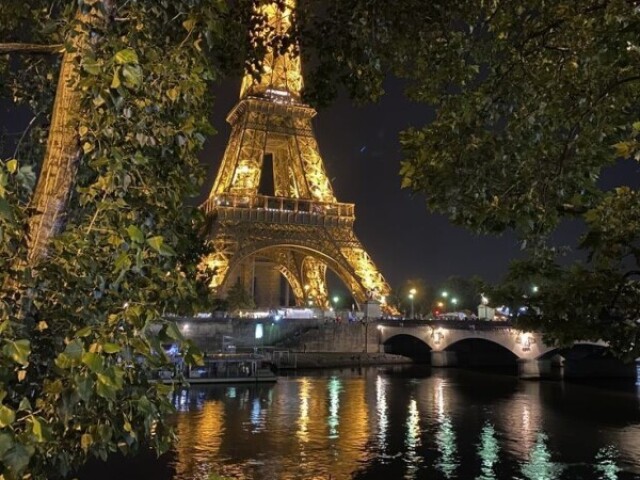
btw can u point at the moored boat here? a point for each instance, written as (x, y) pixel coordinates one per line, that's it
(223, 368)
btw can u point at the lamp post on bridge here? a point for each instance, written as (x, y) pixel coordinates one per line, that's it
(412, 294)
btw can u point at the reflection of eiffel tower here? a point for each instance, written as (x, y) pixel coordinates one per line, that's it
(272, 208)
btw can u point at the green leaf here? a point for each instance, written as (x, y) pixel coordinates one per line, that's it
(86, 440)
(189, 24)
(111, 348)
(39, 429)
(93, 361)
(167, 251)
(123, 262)
(84, 386)
(156, 242)
(84, 332)
(7, 416)
(115, 82)
(18, 351)
(173, 93)
(106, 390)
(174, 332)
(131, 76)
(91, 67)
(135, 234)
(64, 361)
(17, 459)
(125, 56)
(12, 165)
(25, 405)
(5, 209)
(74, 349)
(6, 443)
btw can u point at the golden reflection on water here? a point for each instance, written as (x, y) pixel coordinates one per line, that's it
(338, 427)
(303, 417)
(196, 433)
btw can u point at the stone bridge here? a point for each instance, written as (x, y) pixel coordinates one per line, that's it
(444, 340)
(441, 343)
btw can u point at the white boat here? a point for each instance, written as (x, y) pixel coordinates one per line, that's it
(224, 368)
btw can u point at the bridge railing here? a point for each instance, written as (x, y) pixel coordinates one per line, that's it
(450, 324)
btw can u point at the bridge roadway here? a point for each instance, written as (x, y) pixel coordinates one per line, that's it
(534, 356)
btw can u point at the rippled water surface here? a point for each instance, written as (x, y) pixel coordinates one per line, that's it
(411, 423)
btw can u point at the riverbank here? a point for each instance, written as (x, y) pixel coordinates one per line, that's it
(292, 360)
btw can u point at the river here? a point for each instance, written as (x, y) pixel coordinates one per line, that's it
(404, 423)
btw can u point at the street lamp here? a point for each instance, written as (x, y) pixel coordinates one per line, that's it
(454, 301)
(445, 294)
(336, 299)
(412, 294)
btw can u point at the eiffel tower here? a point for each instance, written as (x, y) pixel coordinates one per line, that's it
(274, 217)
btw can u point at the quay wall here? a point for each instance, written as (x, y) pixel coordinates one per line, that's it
(303, 335)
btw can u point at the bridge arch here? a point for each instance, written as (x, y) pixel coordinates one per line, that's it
(482, 352)
(409, 346)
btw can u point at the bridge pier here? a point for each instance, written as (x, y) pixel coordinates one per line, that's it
(531, 368)
(444, 358)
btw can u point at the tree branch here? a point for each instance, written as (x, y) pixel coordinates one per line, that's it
(30, 48)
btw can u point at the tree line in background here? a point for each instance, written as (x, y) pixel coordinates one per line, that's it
(534, 101)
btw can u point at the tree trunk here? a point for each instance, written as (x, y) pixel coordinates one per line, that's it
(29, 48)
(57, 176)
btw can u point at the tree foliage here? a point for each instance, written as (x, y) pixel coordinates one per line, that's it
(82, 328)
(534, 101)
(238, 298)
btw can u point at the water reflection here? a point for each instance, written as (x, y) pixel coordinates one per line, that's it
(381, 411)
(488, 450)
(540, 466)
(606, 463)
(412, 441)
(446, 442)
(386, 425)
(334, 406)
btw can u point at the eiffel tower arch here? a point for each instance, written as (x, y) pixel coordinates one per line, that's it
(272, 211)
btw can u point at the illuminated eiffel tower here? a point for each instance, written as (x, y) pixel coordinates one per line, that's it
(273, 214)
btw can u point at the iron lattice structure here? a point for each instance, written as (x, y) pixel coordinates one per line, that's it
(301, 229)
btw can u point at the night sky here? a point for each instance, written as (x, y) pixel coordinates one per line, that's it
(361, 152)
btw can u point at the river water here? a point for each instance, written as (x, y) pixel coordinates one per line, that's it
(405, 423)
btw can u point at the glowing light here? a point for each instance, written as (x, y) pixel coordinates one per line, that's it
(412, 440)
(303, 418)
(540, 464)
(445, 294)
(488, 452)
(381, 410)
(334, 406)
(259, 331)
(525, 340)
